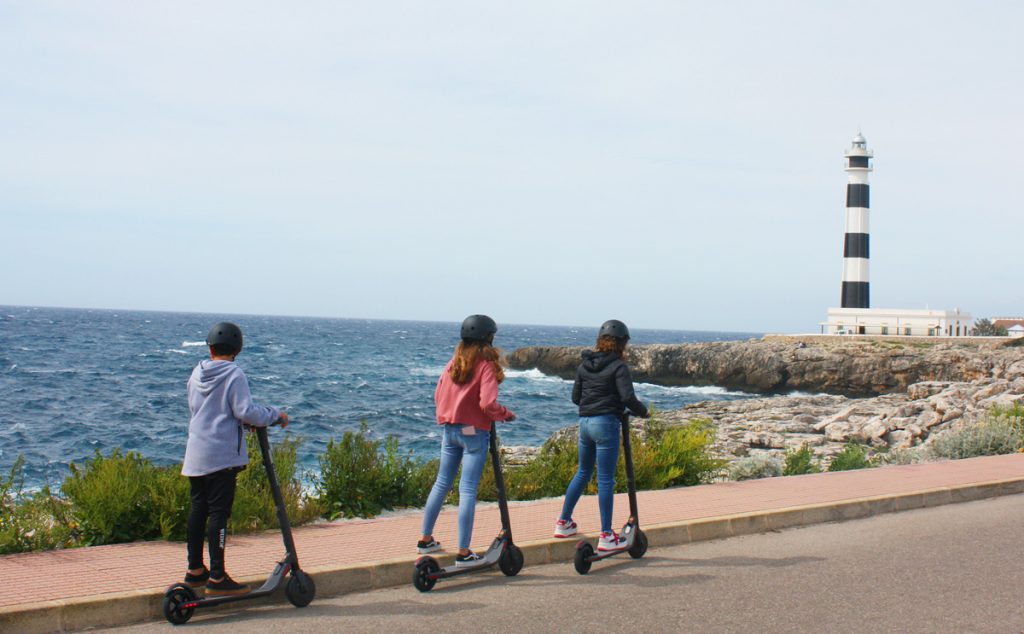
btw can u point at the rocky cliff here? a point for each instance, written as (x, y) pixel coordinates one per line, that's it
(884, 392)
(834, 365)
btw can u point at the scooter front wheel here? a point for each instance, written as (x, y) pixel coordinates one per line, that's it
(584, 551)
(511, 560)
(300, 589)
(422, 575)
(639, 547)
(174, 598)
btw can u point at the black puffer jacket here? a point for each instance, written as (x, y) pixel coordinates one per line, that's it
(604, 386)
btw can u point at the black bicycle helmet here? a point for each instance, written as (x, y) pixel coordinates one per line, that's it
(614, 328)
(225, 333)
(478, 327)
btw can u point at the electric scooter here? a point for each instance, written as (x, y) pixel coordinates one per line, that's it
(181, 601)
(502, 551)
(636, 541)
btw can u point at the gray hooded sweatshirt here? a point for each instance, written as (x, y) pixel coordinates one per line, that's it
(219, 400)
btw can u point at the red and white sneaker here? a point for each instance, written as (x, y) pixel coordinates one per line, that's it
(611, 541)
(565, 528)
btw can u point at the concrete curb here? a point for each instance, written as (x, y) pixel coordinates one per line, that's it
(123, 608)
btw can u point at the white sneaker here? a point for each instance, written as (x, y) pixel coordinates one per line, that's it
(611, 541)
(467, 560)
(565, 528)
(425, 548)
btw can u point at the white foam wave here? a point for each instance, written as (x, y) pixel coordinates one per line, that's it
(176, 351)
(14, 366)
(192, 344)
(533, 374)
(698, 390)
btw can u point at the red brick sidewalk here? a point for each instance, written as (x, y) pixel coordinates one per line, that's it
(153, 565)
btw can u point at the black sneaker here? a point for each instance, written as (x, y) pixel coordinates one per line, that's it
(468, 560)
(226, 586)
(197, 581)
(431, 546)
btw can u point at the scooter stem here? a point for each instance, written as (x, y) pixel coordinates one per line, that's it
(275, 489)
(499, 484)
(630, 480)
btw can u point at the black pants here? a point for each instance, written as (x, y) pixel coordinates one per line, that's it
(212, 497)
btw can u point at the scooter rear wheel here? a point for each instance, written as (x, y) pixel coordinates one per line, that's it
(300, 589)
(584, 551)
(639, 547)
(511, 560)
(421, 575)
(175, 596)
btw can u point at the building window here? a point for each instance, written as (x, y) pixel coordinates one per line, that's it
(931, 332)
(885, 330)
(906, 331)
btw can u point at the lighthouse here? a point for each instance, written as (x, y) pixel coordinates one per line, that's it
(856, 317)
(856, 293)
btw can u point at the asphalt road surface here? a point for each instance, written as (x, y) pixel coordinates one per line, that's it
(956, 568)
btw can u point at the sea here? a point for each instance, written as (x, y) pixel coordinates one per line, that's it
(76, 380)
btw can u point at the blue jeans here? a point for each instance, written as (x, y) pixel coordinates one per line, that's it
(599, 441)
(455, 445)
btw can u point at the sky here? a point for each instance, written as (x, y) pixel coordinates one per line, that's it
(675, 165)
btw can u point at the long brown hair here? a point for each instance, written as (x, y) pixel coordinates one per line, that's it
(615, 345)
(466, 355)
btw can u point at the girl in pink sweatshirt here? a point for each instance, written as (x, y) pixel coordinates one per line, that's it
(467, 405)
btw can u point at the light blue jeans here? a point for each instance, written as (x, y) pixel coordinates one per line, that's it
(470, 451)
(599, 442)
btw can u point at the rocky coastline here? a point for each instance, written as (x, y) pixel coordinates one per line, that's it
(884, 392)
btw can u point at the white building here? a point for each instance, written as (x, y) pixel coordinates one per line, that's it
(898, 322)
(856, 317)
(1015, 331)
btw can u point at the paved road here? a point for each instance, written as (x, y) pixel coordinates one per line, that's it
(956, 568)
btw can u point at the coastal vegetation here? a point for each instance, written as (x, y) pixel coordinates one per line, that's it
(122, 497)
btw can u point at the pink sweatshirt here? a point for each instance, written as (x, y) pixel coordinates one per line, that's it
(474, 403)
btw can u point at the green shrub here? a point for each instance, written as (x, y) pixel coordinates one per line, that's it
(360, 477)
(800, 461)
(38, 521)
(664, 457)
(110, 498)
(676, 456)
(989, 437)
(253, 509)
(170, 500)
(853, 456)
(755, 467)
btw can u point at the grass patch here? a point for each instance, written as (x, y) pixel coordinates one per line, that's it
(755, 467)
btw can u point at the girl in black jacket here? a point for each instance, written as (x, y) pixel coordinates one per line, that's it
(603, 391)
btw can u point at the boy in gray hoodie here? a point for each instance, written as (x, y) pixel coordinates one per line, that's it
(220, 404)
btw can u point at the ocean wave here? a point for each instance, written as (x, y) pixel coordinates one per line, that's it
(434, 370)
(533, 374)
(192, 344)
(698, 390)
(176, 351)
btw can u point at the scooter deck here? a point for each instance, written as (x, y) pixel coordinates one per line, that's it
(489, 559)
(629, 531)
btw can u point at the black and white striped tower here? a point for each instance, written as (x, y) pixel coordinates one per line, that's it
(856, 292)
